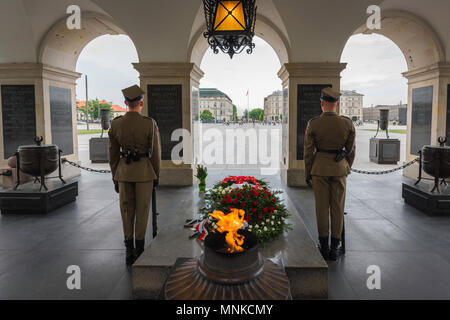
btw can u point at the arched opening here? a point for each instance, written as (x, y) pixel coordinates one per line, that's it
(227, 75)
(373, 81)
(61, 47)
(418, 42)
(411, 37)
(244, 101)
(100, 49)
(106, 64)
(264, 29)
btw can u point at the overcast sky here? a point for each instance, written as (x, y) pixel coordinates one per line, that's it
(374, 69)
(375, 66)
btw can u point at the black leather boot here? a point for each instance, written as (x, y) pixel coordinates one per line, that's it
(129, 257)
(323, 247)
(139, 247)
(334, 249)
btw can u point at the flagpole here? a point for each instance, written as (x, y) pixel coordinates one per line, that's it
(87, 105)
(248, 102)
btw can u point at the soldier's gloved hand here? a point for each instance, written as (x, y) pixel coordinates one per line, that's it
(116, 186)
(155, 183)
(309, 183)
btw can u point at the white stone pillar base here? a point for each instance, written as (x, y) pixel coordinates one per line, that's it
(180, 177)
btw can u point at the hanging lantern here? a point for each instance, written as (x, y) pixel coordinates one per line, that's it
(230, 25)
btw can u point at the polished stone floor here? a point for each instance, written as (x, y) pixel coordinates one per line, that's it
(411, 248)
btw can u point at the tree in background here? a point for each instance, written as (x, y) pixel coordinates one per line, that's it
(95, 106)
(255, 114)
(261, 116)
(234, 112)
(206, 115)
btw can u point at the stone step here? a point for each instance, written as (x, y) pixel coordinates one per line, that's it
(304, 265)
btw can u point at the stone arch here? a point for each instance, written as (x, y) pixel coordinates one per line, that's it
(61, 47)
(416, 39)
(264, 29)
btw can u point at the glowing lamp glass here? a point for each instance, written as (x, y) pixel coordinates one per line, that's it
(230, 16)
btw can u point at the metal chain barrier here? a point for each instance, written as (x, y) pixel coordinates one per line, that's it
(386, 171)
(353, 170)
(76, 165)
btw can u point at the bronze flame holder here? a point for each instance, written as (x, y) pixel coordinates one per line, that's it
(435, 161)
(43, 167)
(217, 275)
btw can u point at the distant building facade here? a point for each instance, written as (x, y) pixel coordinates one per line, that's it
(273, 106)
(116, 110)
(217, 102)
(351, 104)
(396, 113)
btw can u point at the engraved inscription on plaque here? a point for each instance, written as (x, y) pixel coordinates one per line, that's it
(308, 107)
(164, 105)
(19, 117)
(61, 118)
(422, 102)
(196, 125)
(285, 127)
(448, 115)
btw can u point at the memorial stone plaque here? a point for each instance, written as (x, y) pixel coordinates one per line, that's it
(19, 117)
(285, 106)
(285, 127)
(196, 125)
(61, 118)
(448, 115)
(195, 103)
(165, 106)
(422, 103)
(308, 107)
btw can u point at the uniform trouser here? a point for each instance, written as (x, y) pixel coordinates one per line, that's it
(329, 193)
(135, 206)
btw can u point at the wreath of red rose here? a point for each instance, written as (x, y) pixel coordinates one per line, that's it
(241, 180)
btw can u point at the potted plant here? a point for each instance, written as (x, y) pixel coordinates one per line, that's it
(202, 173)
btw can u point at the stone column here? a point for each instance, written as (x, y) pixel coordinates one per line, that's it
(302, 83)
(37, 100)
(428, 115)
(171, 89)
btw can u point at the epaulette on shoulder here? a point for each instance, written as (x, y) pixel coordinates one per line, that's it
(347, 118)
(118, 117)
(149, 118)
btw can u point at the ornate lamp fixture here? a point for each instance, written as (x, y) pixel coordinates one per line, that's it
(230, 25)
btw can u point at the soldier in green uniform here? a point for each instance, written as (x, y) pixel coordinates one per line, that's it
(134, 157)
(329, 154)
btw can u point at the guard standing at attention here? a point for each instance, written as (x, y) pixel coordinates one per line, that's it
(134, 157)
(329, 154)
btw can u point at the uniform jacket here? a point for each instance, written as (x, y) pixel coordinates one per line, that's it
(329, 132)
(134, 131)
